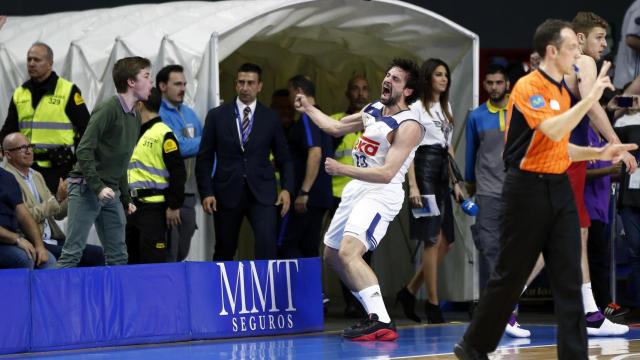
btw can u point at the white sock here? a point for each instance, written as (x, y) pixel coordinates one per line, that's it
(373, 302)
(357, 296)
(587, 299)
(523, 290)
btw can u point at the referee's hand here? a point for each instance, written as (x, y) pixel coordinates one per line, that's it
(602, 82)
(616, 152)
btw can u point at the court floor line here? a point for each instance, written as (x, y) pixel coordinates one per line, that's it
(422, 341)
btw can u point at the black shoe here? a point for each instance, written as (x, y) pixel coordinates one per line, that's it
(434, 314)
(408, 302)
(359, 323)
(614, 310)
(463, 351)
(371, 330)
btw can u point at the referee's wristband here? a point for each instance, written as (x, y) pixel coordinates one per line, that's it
(303, 193)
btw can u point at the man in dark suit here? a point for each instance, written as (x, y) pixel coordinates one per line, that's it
(238, 138)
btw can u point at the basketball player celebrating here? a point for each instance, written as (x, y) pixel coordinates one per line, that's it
(369, 203)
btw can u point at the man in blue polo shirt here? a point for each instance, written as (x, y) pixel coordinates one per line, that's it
(309, 148)
(484, 174)
(187, 128)
(484, 168)
(15, 250)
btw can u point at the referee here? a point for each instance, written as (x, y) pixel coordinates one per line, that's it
(539, 209)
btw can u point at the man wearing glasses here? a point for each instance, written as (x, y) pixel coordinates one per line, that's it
(16, 251)
(44, 207)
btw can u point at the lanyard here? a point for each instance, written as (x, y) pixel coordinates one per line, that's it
(188, 129)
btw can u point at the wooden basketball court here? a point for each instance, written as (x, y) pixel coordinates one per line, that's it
(415, 342)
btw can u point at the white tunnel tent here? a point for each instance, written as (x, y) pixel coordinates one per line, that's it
(328, 40)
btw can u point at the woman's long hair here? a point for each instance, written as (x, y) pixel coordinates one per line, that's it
(426, 76)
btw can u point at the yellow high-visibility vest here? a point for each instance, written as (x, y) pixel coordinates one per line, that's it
(343, 155)
(47, 126)
(147, 169)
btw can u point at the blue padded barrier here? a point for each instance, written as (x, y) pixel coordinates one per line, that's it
(47, 310)
(88, 307)
(16, 317)
(253, 298)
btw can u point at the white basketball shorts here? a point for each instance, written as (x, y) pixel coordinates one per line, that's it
(365, 211)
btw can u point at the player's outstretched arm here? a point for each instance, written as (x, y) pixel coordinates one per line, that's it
(558, 126)
(407, 137)
(588, 75)
(348, 124)
(599, 118)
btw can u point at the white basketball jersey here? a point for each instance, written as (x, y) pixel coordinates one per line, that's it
(372, 147)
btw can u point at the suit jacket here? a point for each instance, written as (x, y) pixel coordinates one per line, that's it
(221, 144)
(49, 209)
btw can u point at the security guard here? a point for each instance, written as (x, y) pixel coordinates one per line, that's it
(156, 178)
(51, 112)
(358, 95)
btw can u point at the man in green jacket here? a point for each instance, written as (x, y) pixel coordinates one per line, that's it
(98, 190)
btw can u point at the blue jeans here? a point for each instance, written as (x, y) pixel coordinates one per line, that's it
(85, 209)
(91, 256)
(631, 221)
(12, 256)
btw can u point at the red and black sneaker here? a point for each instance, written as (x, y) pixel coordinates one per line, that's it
(614, 310)
(371, 330)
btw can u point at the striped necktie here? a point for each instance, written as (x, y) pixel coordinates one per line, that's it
(245, 124)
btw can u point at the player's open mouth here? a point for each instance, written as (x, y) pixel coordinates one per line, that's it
(386, 89)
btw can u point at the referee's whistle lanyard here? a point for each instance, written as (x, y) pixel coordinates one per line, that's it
(239, 120)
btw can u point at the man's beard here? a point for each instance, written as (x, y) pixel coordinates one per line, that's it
(499, 97)
(359, 103)
(391, 101)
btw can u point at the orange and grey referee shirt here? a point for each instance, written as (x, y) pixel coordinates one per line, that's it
(536, 98)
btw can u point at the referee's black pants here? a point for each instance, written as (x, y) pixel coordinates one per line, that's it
(539, 215)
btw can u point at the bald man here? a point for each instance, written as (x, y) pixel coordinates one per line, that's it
(21, 245)
(44, 207)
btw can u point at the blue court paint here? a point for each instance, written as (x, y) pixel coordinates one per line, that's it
(413, 341)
